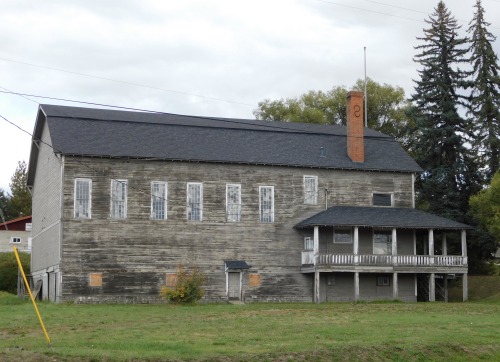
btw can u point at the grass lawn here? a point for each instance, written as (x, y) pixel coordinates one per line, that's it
(252, 332)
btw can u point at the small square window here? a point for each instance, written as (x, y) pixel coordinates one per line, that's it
(342, 236)
(382, 199)
(383, 281)
(15, 240)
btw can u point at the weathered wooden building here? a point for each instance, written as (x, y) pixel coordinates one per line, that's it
(268, 211)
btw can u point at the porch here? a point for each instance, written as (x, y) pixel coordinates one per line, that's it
(391, 241)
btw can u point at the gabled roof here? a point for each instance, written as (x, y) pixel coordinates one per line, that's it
(381, 217)
(11, 224)
(110, 133)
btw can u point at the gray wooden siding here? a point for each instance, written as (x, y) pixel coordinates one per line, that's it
(46, 207)
(339, 287)
(134, 254)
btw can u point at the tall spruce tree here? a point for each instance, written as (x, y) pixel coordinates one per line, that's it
(484, 105)
(450, 174)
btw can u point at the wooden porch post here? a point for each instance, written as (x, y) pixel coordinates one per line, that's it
(356, 286)
(445, 285)
(464, 242)
(395, 291)
(445, 245)
(432, 287)
(431, 242)
(465, 288)
(316, 243)
(316, 286)
(355, 248)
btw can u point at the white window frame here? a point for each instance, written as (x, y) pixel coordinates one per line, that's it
(77, 206)
(387, 244)
(159, 198)
(115, 210)
(383, 193)
(342, 231)
(266, 213)
(308, 243)
(190, 215)
(310, 194)
(15, 240)
(233, 209)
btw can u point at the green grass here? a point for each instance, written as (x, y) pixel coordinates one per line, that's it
(252, 332)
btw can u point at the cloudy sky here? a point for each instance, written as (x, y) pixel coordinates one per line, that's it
(209, 58)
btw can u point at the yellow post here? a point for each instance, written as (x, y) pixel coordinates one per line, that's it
(31, 295)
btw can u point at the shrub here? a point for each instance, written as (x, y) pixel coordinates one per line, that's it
(188, 287)
(8, 270)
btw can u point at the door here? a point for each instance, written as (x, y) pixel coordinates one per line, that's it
(233, 285)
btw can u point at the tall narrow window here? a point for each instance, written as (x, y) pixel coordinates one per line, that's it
(311, 190)
(382, 242)
(266, 204)
(233, 202)
(158, 200)
(118, 199)
(194, 201)
(83, 198)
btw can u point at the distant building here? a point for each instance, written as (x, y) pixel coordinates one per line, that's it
(16, 233)
(269, 211)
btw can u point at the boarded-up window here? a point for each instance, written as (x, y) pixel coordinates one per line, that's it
(95, 279)
(380, 199)
(254, 280)
(170, 280)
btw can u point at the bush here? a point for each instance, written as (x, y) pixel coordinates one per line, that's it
(188, 287)
(8, 270)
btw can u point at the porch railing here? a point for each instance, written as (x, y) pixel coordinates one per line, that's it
(308, 257)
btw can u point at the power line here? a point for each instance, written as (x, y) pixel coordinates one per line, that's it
(128, 83)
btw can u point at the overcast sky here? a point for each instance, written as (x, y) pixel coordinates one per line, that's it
(208, 58)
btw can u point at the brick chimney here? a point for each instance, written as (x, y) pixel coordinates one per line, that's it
(355, 131)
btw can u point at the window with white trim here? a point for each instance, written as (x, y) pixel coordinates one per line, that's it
(83, 198)
(194, 201)
(310, 190)
(382, 242)
(383, 281)
(308, 243)
(342, 236)
(233, 202)
(382, 199)
(15, 240)
(159, 200)
(266, 204)
(118, 199)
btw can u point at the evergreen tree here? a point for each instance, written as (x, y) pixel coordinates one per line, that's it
(450, 175)
(484, 105)
(4, 206)
(20, 202)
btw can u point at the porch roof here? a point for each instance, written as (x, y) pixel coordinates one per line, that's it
(390, 217)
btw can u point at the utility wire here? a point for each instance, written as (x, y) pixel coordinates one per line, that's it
(127, 82)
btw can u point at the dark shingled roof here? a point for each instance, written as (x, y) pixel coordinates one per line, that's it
(110, 133)
(236, 264)
(392, 217)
